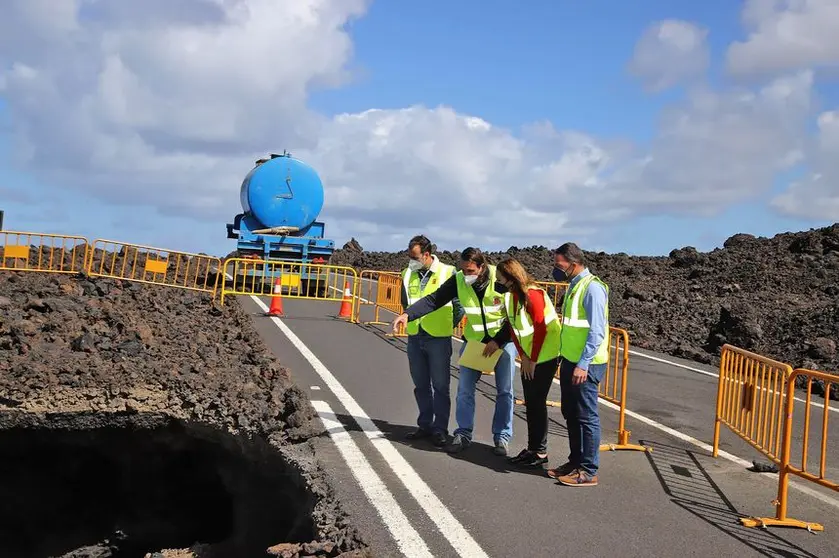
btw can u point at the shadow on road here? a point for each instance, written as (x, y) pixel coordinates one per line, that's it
(478, 453)
(692, 489)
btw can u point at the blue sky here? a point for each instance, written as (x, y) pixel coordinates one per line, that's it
(563, 62)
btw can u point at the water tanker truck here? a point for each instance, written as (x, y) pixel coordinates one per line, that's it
(281, 199)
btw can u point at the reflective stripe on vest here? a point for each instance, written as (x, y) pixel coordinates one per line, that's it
(523, 326)
(575, 324)
(439, 322)
(493, 303)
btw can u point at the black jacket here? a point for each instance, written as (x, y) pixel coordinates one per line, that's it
(448, 293)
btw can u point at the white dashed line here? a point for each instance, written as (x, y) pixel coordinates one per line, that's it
(406, 537)
(446, 523)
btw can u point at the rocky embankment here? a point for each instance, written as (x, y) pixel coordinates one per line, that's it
(169, 414)
(775, 296)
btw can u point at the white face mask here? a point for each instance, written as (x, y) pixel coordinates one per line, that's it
(415, 265)
(470, 279)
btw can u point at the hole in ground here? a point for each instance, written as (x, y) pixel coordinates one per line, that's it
(143, 483)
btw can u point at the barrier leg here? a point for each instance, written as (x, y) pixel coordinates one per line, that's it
(781, 519)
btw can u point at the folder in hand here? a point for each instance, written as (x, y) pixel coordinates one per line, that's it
(473, 357)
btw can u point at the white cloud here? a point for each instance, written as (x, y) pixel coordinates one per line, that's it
(816, 196)
(721, 148)
(169, 106)
(786, 35)
(670, 52)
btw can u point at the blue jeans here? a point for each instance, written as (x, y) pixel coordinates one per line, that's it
(502, 420)
(429, 360)
(579, 407)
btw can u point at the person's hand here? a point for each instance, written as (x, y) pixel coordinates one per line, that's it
(527, 367)
(490, 348)
(400, 319)
(579, 376)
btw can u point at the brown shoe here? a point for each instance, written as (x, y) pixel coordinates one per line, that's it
(562, 470)
(578, 478)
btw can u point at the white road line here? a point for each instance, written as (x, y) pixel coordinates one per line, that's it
(715, 375)
(449, 526)
(406, 537)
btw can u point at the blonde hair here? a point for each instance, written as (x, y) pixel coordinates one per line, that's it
(512, 269)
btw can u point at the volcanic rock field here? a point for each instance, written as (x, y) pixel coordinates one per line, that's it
(146, 421)
(140, 420)
(776, 296)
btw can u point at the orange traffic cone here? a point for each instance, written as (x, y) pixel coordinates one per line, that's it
(346, 304)
(276, 299)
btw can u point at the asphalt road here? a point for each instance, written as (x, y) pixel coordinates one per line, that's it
(413, 499)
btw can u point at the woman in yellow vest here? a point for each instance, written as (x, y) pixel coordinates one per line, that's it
(482, 298)
(535, 328)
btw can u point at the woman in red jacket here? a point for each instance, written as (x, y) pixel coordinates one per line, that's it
(535, 327)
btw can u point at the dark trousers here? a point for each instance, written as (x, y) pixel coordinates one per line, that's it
(429, 360)
(579, 407)
(535, 402)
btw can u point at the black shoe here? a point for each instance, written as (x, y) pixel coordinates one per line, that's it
(533, 461)
(523, 455)
(418, 434)
(439, 439)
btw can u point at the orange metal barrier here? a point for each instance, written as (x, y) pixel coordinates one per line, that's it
(252, 277)
(556, 292)
(750, 399)
(46, 253)
(800, 468)
(155, 266)
(613, 387)
(387, 296)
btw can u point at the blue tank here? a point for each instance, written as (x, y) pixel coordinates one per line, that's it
(282, 192)
(282, 198)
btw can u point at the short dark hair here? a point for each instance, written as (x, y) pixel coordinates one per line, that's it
(422, 241)
(572, 253)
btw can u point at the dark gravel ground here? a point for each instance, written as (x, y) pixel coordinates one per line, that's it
(141, 357)
(774, 296)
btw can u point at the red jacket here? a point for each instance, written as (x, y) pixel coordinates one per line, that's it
(537, 317)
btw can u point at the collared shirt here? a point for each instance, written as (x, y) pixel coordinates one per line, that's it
(594, 303)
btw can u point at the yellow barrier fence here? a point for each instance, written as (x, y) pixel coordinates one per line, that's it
(382, 290)
(613, 387)
(252, 277)
(155, 266)
(750, 400)
(799, 469)
(46, 253)
(556, 292)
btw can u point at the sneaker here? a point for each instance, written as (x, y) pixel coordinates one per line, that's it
(533, 461)
(578, 478)
(458, 444)
(563, 470)
(523, 455)
(439, 439)
(500, 447)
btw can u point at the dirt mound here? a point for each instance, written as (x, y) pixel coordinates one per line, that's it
(136, 419)
(776, 296)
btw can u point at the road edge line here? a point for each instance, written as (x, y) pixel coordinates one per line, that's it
(446, 523)
(407, 539)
